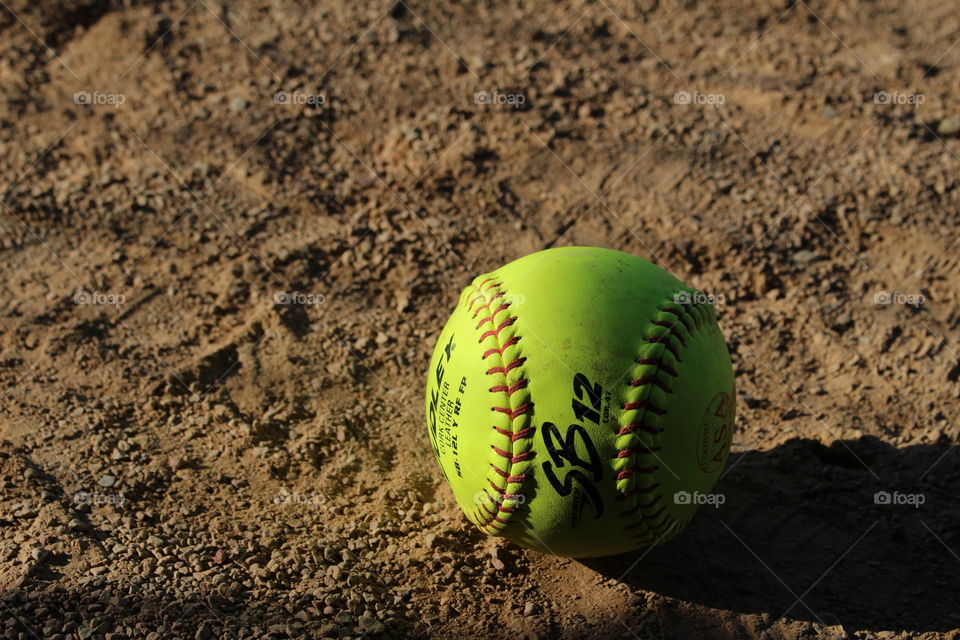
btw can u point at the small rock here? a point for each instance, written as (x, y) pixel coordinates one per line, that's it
(529, 609)
(403, 299)
(238, 104)
(949, 127)
(430, 541)
(804, 257)
(371, 624)
(203, 633)
(106, 481)
(495, 560)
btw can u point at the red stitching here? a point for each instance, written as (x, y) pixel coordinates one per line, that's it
(509, 343)
(644, 404)
(509, 478)
(504, 370)
(634, 492)
(660, 364)
(513, 413)
(645, 539)
(641, 505)
(645, 518)
(500, 472)
(482, 296)
(492, 513)
(626, 453)
(626, 473)
(490, 318)
(665, 340)
(515, 435)
(639, 382)
(638, 506)
(516, 386)
(491, 522)
(630, 428)
(526, 455)
(480, 286)
(496, 332)
(676, 329)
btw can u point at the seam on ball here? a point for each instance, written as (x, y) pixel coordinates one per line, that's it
(638, 440)
(490, 306)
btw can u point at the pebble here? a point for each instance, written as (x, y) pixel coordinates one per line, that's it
(106, 481)
(529, 609)
(371, 624)
(949, 127)
(495, 560)
(238, 104)
(805, 257)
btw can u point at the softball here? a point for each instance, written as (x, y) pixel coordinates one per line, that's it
(580, 402)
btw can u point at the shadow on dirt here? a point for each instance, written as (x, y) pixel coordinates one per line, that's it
(859, 534)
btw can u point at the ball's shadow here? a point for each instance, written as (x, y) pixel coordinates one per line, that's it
(802, 535)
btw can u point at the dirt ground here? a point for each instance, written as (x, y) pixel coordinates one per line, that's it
(232, 231)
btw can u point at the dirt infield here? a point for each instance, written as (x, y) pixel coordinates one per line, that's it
(231, 233)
